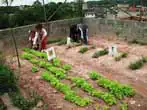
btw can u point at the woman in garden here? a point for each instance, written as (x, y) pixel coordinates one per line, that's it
(33, 39)
(41, 36)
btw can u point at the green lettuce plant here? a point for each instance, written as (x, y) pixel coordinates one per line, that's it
(119, 90)
(66, 90)
(82, 83)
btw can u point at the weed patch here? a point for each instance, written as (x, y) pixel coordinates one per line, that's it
(83, 50)
(100, 53)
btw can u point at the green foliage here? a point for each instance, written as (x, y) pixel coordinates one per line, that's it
(35, 69)
(105, 108)
(94, 75)
(22, 103)
(36, 53)
(2, 107)
(7, 79)
(138, 64)
(66, 89)
(122, 55)
(119, 90)
(82, 83)
(27, 56)
(34, 61)
(100, 53)
(51, 41)
(124, 106)
(83, 50)
(59, 72)
(56, 62)
(67, 67)
(19, 101)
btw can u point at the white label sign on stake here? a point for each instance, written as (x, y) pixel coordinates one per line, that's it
(113, 50)
(68, 41)
(51, 53)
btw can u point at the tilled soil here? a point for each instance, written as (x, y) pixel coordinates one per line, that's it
(82, 65)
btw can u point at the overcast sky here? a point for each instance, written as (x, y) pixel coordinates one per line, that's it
(29, 2)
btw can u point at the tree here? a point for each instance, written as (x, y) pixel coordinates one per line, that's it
(37, 3)
(79, 7)
(7, 2)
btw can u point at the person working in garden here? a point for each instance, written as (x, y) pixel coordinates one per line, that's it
(79, 33)
(74, 33)
(41, 37)
(32, 36)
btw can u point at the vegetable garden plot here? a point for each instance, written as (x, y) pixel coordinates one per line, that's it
(57, 71)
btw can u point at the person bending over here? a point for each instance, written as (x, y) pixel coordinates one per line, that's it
(42, 36)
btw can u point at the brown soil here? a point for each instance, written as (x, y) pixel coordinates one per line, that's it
(82, 64)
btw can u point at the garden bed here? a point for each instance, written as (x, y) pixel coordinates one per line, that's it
(82, 64)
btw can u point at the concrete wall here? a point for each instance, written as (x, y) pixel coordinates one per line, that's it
(55, 29)
(130, 30)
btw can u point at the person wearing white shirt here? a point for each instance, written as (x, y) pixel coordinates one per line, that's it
(41, 35)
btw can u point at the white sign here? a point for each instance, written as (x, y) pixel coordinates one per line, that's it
(50, 53)
(68, 41)
(113, 50)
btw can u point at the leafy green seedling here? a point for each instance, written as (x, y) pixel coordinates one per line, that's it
(94, 75)
(83, 50)
(67, 67)
(122, 55)
(100, 53)
(137, 64)
(35, 69)
(56, 62)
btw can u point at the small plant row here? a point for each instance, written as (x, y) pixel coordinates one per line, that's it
(59, 72)
(35, 69)
(100, 53)
(119, 90)
(55, 62)
(120, 56)
(36, 53)
(69, 94)
(83, 50)
(138, 64)
(82, 83)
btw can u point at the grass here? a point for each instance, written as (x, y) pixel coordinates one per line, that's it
(138, 64)
(83, 50)
(100, 53)
(51, 41)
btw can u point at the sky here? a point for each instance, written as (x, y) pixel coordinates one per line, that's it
(30, 2)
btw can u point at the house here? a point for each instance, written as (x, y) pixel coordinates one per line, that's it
(94, 11)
